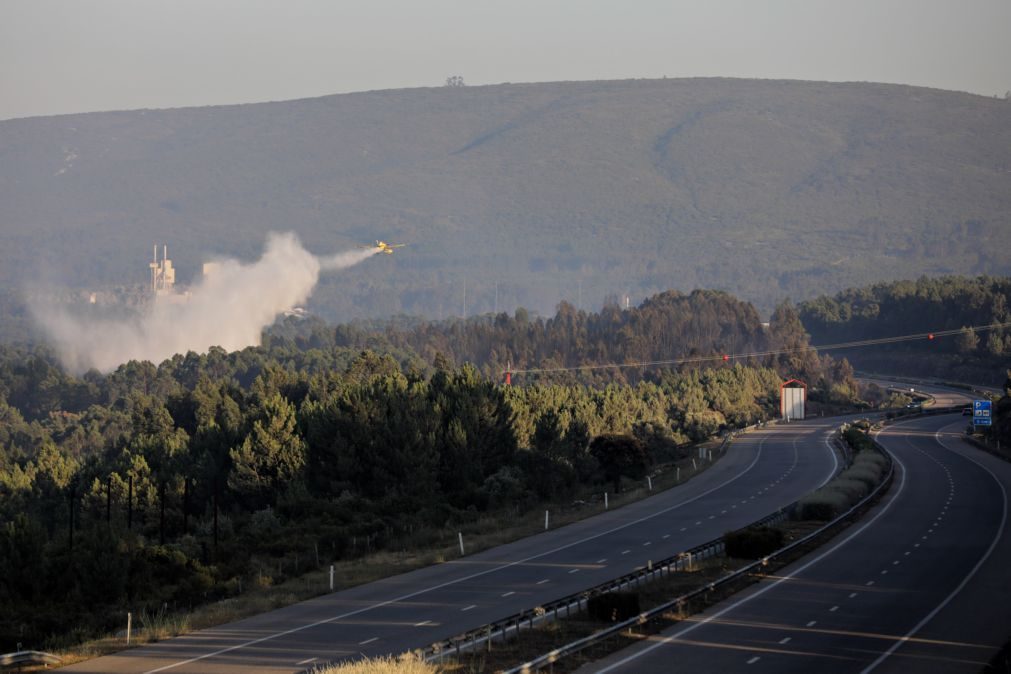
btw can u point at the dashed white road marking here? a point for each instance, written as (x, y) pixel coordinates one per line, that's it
(306, 661)
(423, 623)
(812, 623)
(510, 592)
(852, 594)
(833, 609)
(541, 582)
(869, 583)
(368, 641)
(467, 608)
(625, 552)
(666, 536)
(784, 640)
(647, 543)
(573, 570)
(754, 660)
(601, 561)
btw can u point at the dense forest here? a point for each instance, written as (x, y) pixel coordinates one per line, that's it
(978, 310)
(177, 483)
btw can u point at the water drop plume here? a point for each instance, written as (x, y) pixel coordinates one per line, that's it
(229, 308)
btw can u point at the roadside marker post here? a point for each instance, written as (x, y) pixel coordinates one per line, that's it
(331, 577)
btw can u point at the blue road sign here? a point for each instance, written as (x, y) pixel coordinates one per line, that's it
(981, 412)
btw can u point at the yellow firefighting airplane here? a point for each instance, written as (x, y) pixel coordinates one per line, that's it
(386, 247)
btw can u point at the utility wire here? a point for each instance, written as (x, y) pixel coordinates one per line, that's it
(772, 352)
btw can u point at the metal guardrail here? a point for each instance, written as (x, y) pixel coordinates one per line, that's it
(566, 606)
(29, 658)
(574, 647)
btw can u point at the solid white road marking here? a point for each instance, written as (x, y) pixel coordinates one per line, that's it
(968, 577)
(853, 534)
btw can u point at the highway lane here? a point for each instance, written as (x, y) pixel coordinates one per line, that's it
(920, 583)
(763, 471)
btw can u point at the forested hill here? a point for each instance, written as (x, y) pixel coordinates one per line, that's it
(923, 306)
(528, 193)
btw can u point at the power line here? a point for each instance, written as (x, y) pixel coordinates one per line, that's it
(772, 352)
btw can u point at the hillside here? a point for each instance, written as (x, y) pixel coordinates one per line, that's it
(528, 193)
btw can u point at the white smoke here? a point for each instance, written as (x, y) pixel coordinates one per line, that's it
(229, 308)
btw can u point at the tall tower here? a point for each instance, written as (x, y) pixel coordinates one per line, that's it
(163, 275)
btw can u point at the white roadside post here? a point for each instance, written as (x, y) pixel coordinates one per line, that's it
(545, 520)
(649, 480)
(331, 577)
(605, 500)
(460, 534)
(678, 478)
(129, 625)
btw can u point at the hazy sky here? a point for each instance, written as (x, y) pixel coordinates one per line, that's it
(59, 56)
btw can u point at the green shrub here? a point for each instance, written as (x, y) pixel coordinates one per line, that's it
(853, 490)
(869, 474)
(822, 505)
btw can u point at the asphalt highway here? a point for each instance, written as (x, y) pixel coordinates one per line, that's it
(919, 584)
(762, 471)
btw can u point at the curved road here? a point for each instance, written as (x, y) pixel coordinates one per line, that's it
(919, 584)
(763, 471)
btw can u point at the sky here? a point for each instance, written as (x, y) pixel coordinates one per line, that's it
(67, 56)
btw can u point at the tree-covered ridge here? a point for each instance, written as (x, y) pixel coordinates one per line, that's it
(671, 327)
(177, 483)
(922, 306)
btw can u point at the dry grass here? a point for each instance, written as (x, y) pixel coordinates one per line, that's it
(403, 664)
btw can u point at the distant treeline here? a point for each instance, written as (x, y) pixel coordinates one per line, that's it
(180, 483)
(923, 306)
